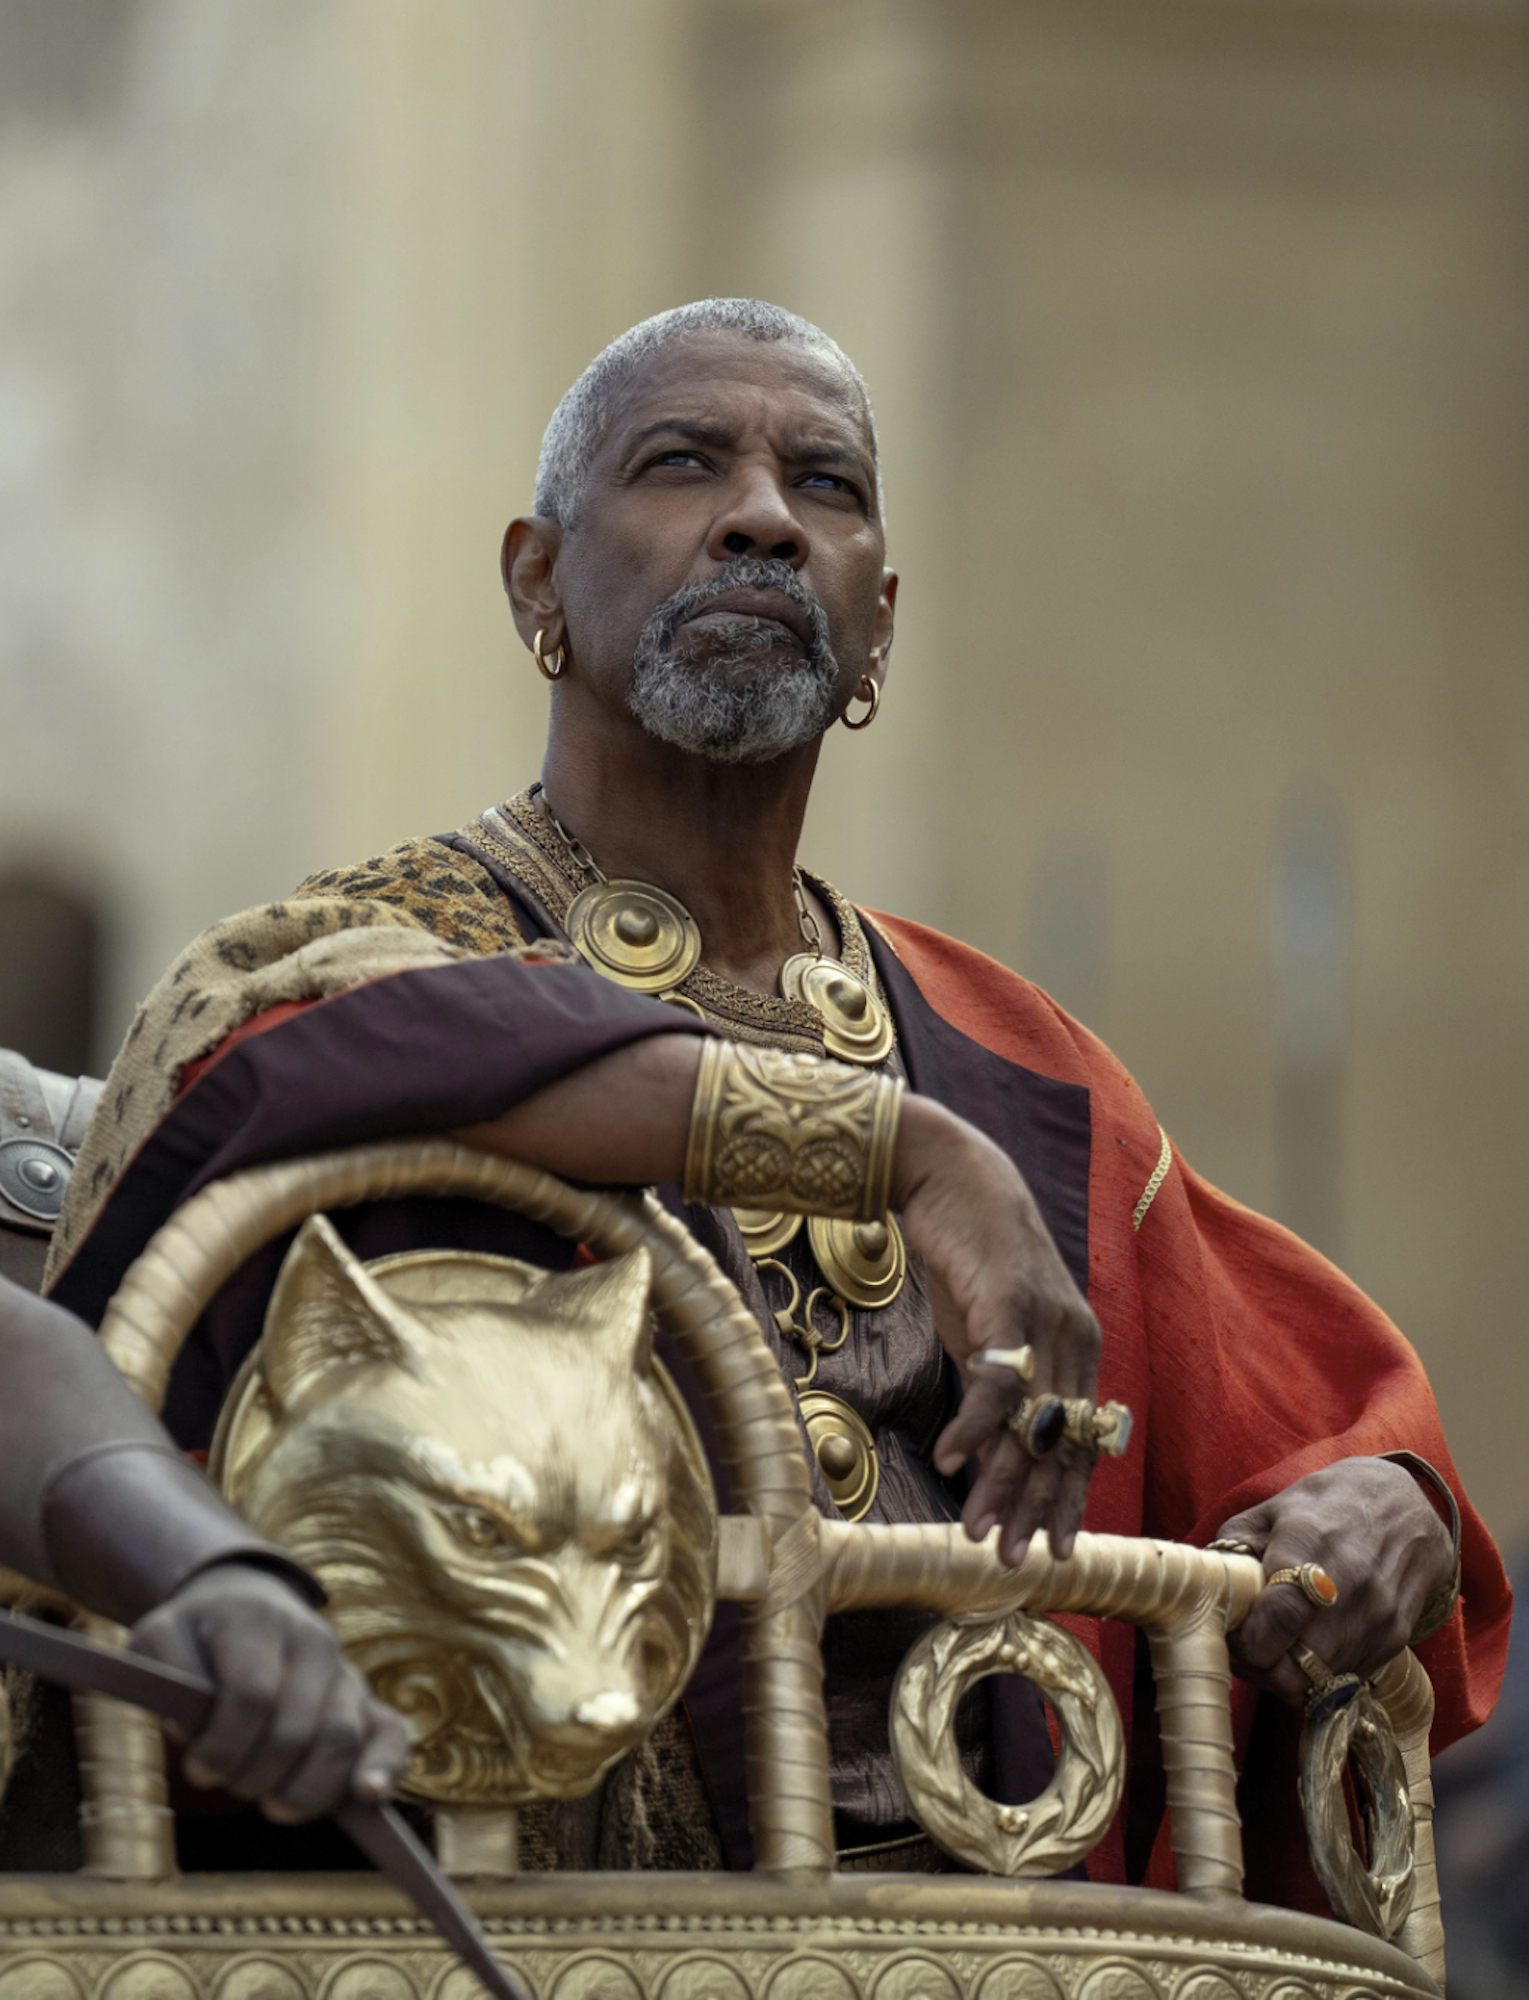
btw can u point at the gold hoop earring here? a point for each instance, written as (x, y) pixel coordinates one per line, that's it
(560, 663)
(867, 691)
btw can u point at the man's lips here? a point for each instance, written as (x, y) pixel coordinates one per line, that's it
(770, 605)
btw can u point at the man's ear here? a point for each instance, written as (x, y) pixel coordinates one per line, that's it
(528, 564)
(886, 618)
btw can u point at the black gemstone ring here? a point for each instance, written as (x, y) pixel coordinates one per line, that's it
(1039, 1423)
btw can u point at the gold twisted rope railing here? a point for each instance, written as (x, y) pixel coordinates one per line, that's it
(786, 1727)
(790, 1568)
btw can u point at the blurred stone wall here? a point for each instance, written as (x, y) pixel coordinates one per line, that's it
(1198, 335)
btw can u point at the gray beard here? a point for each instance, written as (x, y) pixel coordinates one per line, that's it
(734, 703)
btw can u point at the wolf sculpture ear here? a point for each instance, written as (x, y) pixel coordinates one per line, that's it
(326, 1312)
(607, 1303)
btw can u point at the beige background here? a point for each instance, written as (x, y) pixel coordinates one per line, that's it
(1199, 337)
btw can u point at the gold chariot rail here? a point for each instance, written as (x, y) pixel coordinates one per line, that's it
(127, 1928)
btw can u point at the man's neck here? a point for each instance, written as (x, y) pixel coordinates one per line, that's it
(720, 837)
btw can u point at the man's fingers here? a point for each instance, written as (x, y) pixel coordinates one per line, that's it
(296, 1714)
(1030, 1510)
(1253, 1526)
(384, 1754)
(1271, 1628)
(1286, 1680)
(1077, 1468)
(332, 1744)
(991, 1394)
(1021, 1492)
(248, 1677)
(1003, 1471)
(163, 1636)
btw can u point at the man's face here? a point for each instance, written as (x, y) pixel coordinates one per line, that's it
(723, 581)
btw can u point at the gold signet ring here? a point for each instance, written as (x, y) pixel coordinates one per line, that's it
(1315, 1582)
(1317, 1671)
(1020, 1359)
(1039, 1424)
(1328, 1690)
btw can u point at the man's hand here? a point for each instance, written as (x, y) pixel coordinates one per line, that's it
(1370, 1526)
(293, 1724)
(997, 1280)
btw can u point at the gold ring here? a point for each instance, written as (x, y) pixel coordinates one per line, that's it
(1316, 1670)
(1311, 1579)
(1020, 1359)
(1079, 1427)
(1328, 1691)
(1039, 1423)
(1105, 1428)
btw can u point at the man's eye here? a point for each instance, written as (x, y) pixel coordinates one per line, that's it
(667, 458)
(833, 483)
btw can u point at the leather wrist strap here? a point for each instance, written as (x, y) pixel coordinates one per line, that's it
(1437, 1609)
(126, 1524)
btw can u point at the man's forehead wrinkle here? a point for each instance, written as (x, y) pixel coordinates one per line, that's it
(699, 385)
(816, 450)
(698, 430)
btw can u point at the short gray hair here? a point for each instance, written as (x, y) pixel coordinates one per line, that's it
(580, 421)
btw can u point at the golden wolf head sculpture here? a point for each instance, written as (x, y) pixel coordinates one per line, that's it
(502, 1493)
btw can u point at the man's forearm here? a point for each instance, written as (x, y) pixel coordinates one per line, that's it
(94, 1498)
(625, 1120)
(622, 1119)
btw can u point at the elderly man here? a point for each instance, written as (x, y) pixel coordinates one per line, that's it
(601, 974)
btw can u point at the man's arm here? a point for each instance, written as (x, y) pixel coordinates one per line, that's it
(998, 1280)
(1278, 1390)
(96, 1502)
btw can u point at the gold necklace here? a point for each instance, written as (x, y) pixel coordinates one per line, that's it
(642, 937)
(638, 935)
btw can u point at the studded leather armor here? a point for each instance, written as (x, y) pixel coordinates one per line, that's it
(43, 1117)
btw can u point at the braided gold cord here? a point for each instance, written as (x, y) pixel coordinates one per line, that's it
(1159, 1175)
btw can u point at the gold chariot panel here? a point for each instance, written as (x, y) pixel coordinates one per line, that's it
(678, 1937)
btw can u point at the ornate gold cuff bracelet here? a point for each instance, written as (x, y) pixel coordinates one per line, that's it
(771, 1130)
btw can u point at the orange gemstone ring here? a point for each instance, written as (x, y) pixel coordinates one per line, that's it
(1316, 1583)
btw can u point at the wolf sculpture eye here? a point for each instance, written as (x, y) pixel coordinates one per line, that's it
(397, 1416)
(478, 1529)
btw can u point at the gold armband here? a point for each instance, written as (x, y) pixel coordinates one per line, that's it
(777, 1131)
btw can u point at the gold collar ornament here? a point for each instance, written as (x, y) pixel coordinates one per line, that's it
(844, 1449)
(640, 936)
(865, 1262)
(856, 1027)
(637, 935)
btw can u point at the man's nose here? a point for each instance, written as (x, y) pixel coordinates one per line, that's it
(756, 520)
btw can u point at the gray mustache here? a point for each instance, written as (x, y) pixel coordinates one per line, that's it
(742, 573)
